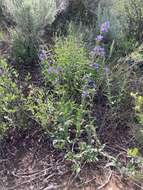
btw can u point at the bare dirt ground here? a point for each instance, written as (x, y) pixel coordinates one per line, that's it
(28, 162)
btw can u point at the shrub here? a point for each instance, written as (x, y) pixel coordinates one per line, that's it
(39, 106)
(134, 16)
(1, 35)
(69, 125)
(30, 16)
(77, 78)
(120, 30)
(125, 18)
(71, 57)
(9, 97)
(2, 12)
(72, 71)
(116, 87)
(110, 10)
(13, 113)
(0, 9)
(69, 65)
(139, 114)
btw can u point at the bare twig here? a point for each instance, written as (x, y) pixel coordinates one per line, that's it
(87, 182)
(30, 180)
(108, 180)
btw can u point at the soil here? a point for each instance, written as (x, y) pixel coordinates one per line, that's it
(29, 162)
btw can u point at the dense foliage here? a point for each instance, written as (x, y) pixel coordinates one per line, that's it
(86, 94)
(30, 17)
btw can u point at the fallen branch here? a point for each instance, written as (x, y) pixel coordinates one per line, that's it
(106, 183)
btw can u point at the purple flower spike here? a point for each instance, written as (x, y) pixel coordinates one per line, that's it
(42, 55)
(98, 50)
(59, 68)
(99, 38)
(105, 27)
(52, 70)
(56, 71)
(91, 83)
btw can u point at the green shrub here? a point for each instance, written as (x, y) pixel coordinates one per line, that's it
(69, 125)
(0, 9)
(30, 17)
(39, 106)
(74, 71)
(1, 35)
(70, 63)
(9, 97)
(2, 12)
(75, 85)
(134, 19)
(125, 17)
(116, 87)
(110, 10)
(121, 29)
(76, 78)
(13, 113)
(139, 114)
(70, 55)
(138, 107)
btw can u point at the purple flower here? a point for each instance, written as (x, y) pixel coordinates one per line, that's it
(105, 27)
(85, 94)
(56, 71)
(91, 83)
(99, 38)
(51, 70)
(59, 68)
(42, 55)
(98, 50)
(95, 66)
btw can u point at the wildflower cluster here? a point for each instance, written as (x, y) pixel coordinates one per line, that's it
(85, 94)
(95, 66)
(105, 27)
(51, 70)
(99, 38)
(98, 71)
(42, 55)
(88, 87)
(99, 50)
(54, 70)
